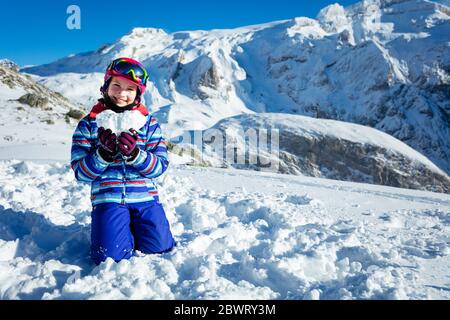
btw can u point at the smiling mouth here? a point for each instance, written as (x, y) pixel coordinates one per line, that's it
(120, 100)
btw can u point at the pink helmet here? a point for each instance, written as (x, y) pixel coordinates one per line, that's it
(127, 69)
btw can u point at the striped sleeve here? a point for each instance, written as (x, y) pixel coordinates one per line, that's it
(85, 160)
(154, 161)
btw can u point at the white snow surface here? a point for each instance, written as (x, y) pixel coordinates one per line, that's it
(121, 122)
(251, 236)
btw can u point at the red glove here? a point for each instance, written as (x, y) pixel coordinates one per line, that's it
(108, 144)
(128, 144)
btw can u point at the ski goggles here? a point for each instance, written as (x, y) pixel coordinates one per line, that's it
(129, 69)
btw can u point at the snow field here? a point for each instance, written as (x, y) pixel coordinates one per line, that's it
(306, 240)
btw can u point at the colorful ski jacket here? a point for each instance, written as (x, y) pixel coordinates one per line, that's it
(119, 181)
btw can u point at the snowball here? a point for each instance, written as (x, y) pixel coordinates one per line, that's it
(121, 122)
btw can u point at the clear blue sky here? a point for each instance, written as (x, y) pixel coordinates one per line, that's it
(35, 31)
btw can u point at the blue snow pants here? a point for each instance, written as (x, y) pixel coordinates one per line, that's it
(118, 229)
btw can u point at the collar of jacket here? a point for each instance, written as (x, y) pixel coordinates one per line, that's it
(100, 106)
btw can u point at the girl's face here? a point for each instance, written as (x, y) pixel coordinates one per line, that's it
(122, 92)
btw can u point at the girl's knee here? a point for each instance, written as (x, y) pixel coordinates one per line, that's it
(100, 254)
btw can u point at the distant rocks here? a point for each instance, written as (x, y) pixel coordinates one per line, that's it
(23, 89)
(75, 114)
(340, 159)
(33, 100)
(9, 64)
(202, 76)
(326, 149)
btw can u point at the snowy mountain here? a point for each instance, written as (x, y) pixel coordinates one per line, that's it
(315, 147)
(380, 63)
(36, 122)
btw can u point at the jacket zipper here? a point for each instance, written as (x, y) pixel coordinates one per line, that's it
(124, 180)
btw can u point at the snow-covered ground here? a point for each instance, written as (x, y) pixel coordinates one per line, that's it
(240, 234)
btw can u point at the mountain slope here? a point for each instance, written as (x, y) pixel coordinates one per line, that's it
(380, 63)
(36, 123)
(294, 144)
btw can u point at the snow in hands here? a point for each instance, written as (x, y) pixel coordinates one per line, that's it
(120, 122)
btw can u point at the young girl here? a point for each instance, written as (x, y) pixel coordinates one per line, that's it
(126, 213)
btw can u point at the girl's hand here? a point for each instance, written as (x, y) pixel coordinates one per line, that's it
(108, 141)
(128, 143)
